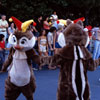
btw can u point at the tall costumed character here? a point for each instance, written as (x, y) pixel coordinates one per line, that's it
(20, 76)
(75, 60)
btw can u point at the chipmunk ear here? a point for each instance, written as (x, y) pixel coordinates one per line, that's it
(80, 23)
(69, 22)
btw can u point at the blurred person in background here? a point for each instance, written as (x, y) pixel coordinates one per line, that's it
(3, 26)
(55, 18)
(59, 31)
(46, 24)
(11, 29)
(38, 26)
(96, 37)
(2, 50)
(54, 15)
(51, 44)
(43, 45)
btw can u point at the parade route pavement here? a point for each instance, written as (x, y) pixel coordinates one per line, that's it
(47, 82)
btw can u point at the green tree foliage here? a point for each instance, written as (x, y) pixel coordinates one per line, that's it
(87, 8)
(28, 9)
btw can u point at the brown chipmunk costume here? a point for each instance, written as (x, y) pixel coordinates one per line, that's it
(20, 77)
(75, 61)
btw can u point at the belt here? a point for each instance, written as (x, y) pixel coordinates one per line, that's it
(97, 40)
(3, 31)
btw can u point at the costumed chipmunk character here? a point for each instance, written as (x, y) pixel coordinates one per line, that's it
(75, 60)
(20, 77)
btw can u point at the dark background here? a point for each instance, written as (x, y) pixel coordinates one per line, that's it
(73, 9)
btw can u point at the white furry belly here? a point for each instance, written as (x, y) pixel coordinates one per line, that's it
(20, 72)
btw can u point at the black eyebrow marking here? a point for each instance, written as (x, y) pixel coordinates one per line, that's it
(24, 39)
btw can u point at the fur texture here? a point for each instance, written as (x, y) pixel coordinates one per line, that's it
(75, 60)
(12, 91)
(75, 35)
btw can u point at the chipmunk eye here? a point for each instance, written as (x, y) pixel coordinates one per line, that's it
(14, 39)
(23, 41)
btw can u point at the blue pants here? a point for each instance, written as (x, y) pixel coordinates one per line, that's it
(33, 63)
(2, 58)
(51, 53)
(96, 51)
(57, 45)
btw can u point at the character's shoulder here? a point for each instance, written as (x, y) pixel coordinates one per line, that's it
(68, 52)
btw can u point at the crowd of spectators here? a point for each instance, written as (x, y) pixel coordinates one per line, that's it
(46, 31)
